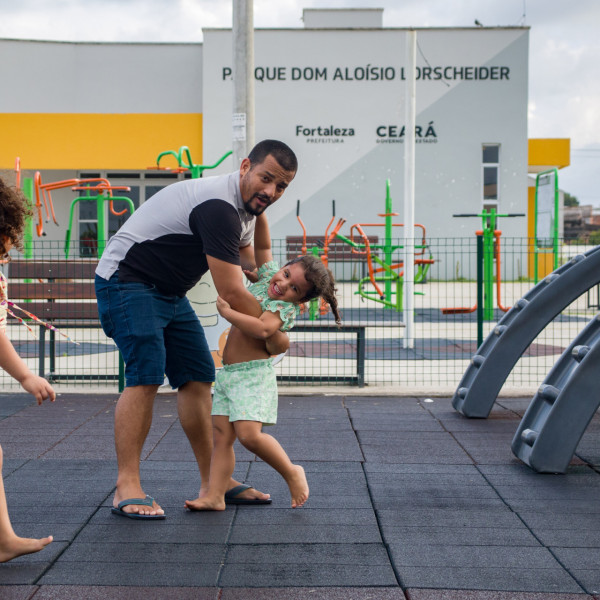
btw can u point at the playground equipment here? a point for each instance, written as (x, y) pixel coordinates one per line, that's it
(18, 172)
(103, 194)
(546, 218)
(181, 156)
(27, 190)
(491, 253)
(560, 412)
(389, 274)
(44, 190)
(497, 355)
(318, 306)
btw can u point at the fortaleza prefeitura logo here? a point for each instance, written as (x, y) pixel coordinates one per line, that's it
(385, 134)
(328, 134)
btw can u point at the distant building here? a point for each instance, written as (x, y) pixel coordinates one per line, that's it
(580, 222)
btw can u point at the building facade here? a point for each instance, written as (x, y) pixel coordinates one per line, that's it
(333, 90)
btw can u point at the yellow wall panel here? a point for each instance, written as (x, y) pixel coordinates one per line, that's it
(96, 141)
(550, 152)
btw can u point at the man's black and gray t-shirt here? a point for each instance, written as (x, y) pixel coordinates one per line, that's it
(165, 242)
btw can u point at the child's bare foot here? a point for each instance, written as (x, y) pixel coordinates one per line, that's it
(205, 503)
(19, 546)
(298, 487)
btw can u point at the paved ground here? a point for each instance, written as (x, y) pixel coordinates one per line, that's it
(409, 500)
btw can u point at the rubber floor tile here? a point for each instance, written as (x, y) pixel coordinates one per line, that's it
(14, 573)
(306, 575)
(17, 592)
(76, 592)
(312, 593)
(160, 575)
(492, 579)
(414, 594)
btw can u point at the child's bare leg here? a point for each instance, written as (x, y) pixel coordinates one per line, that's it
(11, 545)
(269, 449)
(221, 467)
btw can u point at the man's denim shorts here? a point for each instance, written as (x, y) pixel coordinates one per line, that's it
(156, 333)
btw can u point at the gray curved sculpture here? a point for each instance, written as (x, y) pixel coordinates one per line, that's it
(561, 410)
(499, 352)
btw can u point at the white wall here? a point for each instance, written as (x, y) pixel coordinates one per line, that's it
(64, 77)
(351, 165)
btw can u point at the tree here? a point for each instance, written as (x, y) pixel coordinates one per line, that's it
(571, 200)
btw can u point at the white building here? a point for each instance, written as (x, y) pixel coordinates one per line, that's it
(333, 90)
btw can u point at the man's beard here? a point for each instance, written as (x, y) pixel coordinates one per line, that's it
(259, 210)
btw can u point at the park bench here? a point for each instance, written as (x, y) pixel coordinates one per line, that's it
(61, 293)
(329, 327)
(338, 251)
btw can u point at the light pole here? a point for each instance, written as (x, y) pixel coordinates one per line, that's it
(243, 80)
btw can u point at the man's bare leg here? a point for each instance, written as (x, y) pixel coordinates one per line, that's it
(221, 467)
(194, 404)
(11, 545)
(133, 418)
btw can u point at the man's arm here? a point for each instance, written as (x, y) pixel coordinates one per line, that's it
(229, 283)
(247, 258)
(262, 241)
(228, 280)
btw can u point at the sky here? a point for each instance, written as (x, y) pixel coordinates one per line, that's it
(564, 52)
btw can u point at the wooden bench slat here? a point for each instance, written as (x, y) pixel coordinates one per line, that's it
(53, 311)
(60, 300)
(51, 269)
(51, 290)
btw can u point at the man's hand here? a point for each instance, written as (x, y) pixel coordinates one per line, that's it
(278, 343)
(251, 276)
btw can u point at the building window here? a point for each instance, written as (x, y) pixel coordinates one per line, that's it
(491, 168)
(142, 186)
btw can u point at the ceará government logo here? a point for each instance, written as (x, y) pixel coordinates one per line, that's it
(324, 134)
(394, 134)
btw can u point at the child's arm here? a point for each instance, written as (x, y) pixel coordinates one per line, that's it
(15, 366)
(260, 328)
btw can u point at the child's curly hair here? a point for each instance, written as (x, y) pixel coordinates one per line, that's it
(14, 213)
(322, 281)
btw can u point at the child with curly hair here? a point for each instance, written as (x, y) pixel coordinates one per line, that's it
(13, 215)
(245, 395)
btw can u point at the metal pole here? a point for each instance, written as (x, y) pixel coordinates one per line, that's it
(28, 232)
(387, 249)
(243, 80)
(409, 187)
(480, 259)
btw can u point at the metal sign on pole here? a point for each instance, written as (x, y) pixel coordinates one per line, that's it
(410, 97)
(242, 124)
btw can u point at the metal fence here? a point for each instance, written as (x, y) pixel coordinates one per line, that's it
(445, 321)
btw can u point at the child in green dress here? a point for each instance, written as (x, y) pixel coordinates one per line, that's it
(245, 395)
